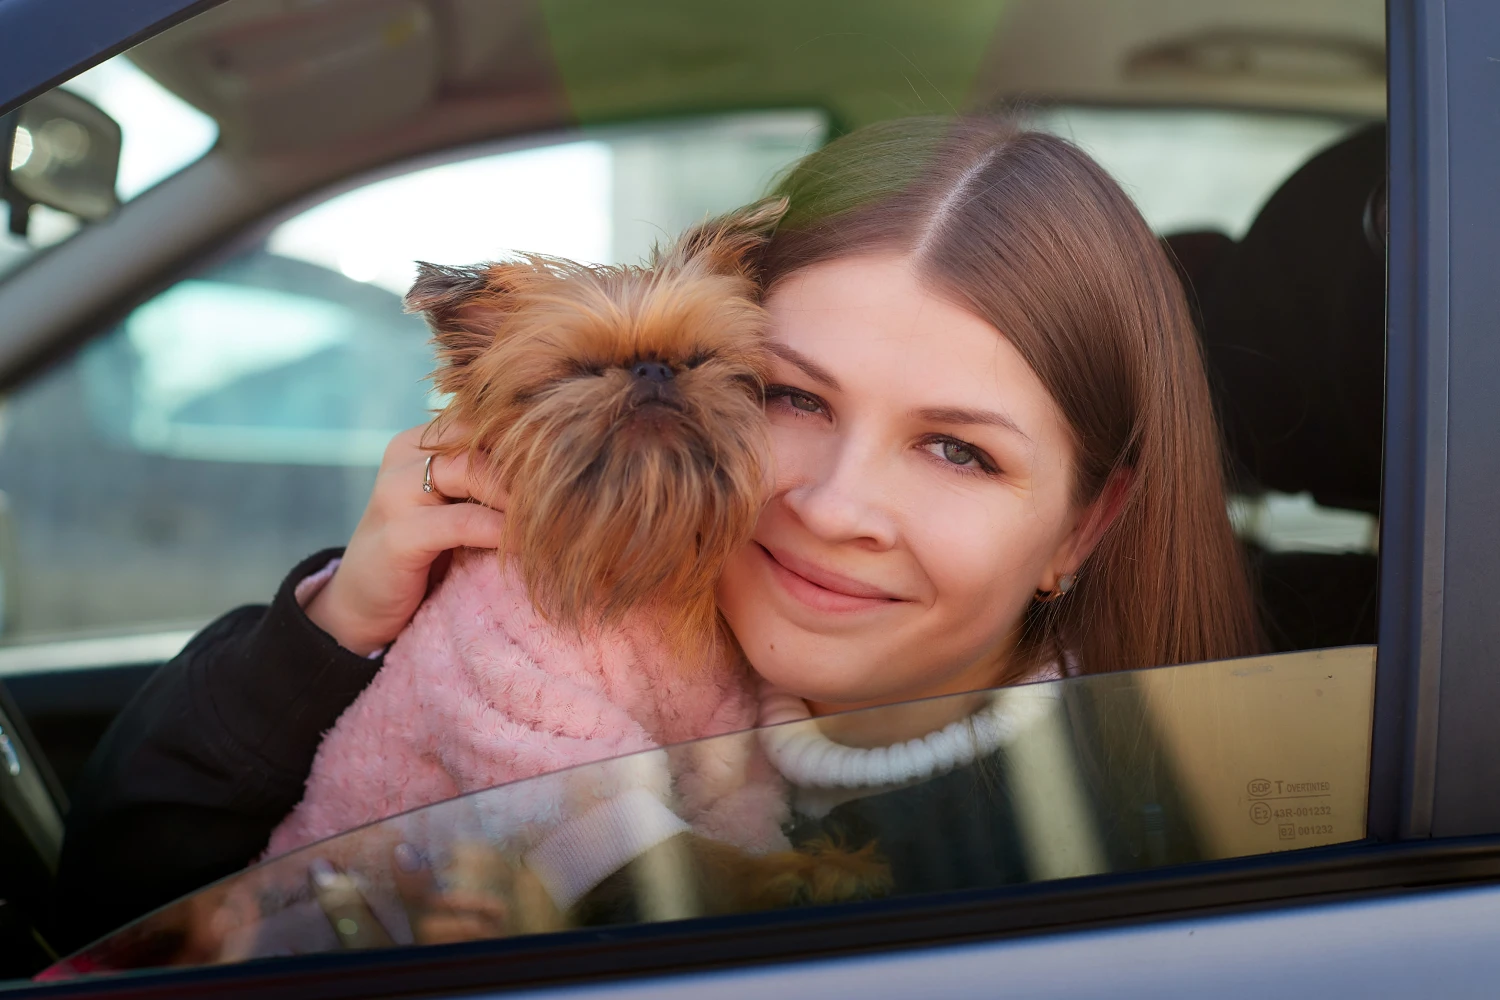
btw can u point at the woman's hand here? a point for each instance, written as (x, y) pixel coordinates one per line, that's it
(389, 561)
(480, 895)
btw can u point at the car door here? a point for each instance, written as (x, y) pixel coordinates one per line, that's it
(1431, 817)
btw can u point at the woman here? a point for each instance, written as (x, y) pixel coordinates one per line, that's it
(997, 461)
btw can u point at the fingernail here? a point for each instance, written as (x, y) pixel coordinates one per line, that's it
(407, 858)
(322, 873)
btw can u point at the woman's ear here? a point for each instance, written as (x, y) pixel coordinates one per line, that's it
(1095, 520)
(465, 308)
(729, 244)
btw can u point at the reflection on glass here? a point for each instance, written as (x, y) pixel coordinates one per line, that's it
(1090, 775)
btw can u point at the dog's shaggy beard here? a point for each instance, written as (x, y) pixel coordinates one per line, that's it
(635, 502)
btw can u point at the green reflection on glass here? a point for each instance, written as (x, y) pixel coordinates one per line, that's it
(861, 61)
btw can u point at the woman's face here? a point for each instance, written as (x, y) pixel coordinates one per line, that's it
(923, 494)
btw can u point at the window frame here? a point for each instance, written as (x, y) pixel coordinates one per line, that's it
(112, 28)
(1458, 687)
(1412, 523)
(1436, 751)
(1262, 882)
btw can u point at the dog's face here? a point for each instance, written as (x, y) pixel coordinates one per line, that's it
(620, 410)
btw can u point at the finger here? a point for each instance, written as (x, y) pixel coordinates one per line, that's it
(454, 929)
(456, 476)
(455, 526)
(403, 469)
(346, 908)
(462, 915)
(413, 878)
(416, 443)
(442, 479)
(427, 437)
(417, 889)
(461, 476)
(475, 903)
(450, 474)
(404, 446)
(435, 436)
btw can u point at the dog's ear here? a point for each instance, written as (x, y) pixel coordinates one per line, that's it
(729, 244)
(465, 307)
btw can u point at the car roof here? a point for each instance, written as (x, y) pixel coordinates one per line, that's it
(263, 69)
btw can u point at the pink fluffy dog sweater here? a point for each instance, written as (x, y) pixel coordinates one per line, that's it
(478, 691)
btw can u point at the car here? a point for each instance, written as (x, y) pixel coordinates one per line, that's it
(213, 212)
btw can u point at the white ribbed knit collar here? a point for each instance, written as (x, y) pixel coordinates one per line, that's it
(809, 759)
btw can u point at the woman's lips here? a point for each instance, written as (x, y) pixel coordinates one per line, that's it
(823, 590)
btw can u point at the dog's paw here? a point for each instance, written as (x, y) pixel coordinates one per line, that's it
(816, 873)
(837, 875)
(825, 872)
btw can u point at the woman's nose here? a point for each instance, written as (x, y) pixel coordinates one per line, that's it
(846, 503)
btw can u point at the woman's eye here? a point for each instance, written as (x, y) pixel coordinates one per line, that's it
(794, 398)
(960, 455)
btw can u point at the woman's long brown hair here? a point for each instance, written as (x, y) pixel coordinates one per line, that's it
(1026, 231)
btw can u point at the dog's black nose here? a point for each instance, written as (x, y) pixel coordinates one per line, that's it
(652, 371)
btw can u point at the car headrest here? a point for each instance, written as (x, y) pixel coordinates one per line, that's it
(1293, 324)
(1197, 256)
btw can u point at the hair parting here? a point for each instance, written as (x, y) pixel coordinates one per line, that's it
(1024, 230)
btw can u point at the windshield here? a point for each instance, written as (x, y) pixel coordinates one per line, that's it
(1070, 778)
(160, 132)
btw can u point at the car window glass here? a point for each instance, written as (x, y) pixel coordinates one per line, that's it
(160, 133)
(1070, 778)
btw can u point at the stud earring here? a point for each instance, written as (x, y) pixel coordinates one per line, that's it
(1064, 584)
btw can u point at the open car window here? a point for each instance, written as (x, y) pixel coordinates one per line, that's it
(1074, 777)
(285, 369)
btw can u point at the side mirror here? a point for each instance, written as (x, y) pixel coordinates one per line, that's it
(61, 151)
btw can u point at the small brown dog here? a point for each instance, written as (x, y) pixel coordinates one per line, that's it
(626, 400)
(619, 411)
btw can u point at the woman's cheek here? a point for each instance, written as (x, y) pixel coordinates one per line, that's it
(982, 557)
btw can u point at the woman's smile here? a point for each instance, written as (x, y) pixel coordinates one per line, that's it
(821, 589)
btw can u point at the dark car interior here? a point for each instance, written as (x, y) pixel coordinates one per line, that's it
(1293, 325)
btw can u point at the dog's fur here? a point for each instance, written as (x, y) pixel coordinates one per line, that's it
(624, 493)
(596, 634)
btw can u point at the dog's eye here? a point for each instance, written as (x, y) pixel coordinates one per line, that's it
(583, 369)
(696, 360)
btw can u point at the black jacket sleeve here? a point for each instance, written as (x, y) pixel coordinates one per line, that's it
(197, 770)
